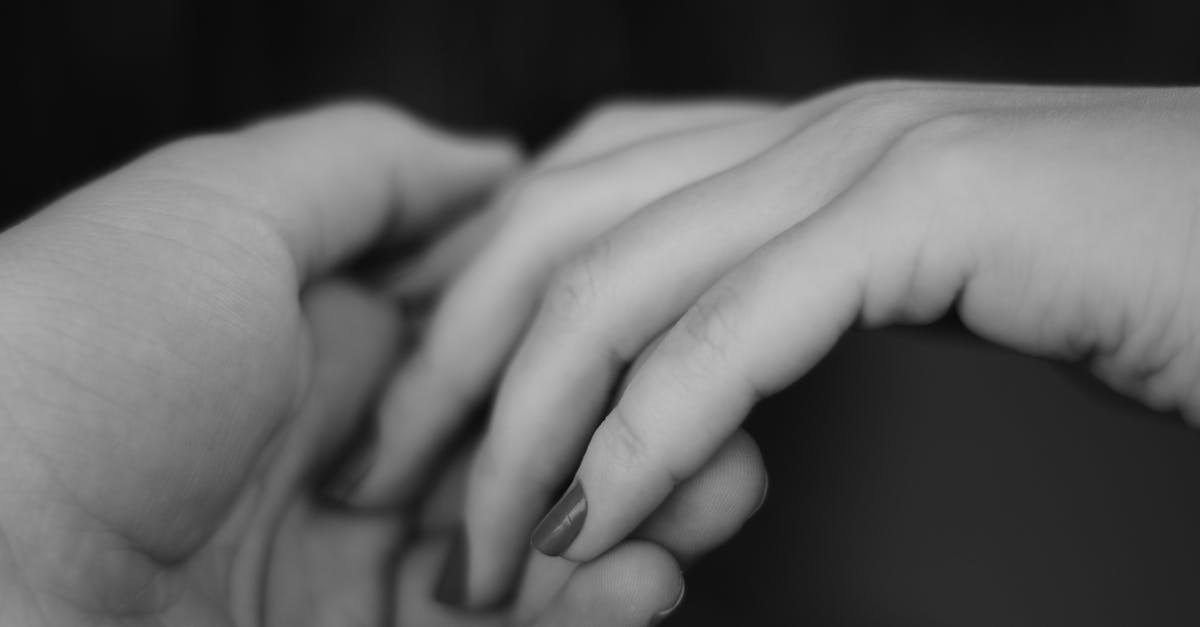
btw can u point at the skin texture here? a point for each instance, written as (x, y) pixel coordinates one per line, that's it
(1057, 221)
(182, 358)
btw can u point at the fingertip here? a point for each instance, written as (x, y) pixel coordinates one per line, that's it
(642, 573)
(417, 584)
(712, 505)
(503, 151)
(491, 157)
(635, 584)
(377, 482)
(462, 167)
(391, 463)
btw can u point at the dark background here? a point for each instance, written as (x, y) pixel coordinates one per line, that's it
(918, 476)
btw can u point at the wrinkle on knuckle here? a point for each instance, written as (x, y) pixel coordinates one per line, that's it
(710, 329)
(575, 294)
(623, 444)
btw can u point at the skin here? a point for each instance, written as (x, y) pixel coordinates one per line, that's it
(182, 358)
(1056, 221)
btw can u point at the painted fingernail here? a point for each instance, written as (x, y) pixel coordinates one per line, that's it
(558, 529)
(452, 585)
(347, 480)
(661, 616)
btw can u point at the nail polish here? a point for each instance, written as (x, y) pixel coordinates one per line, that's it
(452, 584)
(554, 535)
(345, 482)
(661, 616)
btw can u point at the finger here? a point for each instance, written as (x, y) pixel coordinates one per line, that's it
(637, 364)
(484, 311)
(415, 580)
(880, 252)
(607, 129)
(329, 182)
(607, 304)
(703, 512)
(464, 348)
(632, 585)
(338, 557)
(614, 126)
(635, 584)
(601, 311)
(422, 277)
(354, 336)
(710, 506)
(441, 507)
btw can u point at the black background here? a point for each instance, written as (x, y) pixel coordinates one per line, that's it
(918, 477)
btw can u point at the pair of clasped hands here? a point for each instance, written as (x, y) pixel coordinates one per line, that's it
(186, 347)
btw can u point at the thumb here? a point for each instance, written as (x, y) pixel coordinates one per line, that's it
(332, 181)
(355, 336)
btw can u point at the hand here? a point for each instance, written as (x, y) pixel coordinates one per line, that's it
(522, 241)
(1057, 221)
(180, 363)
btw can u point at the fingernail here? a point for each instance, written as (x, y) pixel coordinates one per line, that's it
(661, 616)
(346, 481)
(558, 529)
(452, 585)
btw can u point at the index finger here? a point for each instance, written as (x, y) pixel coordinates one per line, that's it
(755, 331)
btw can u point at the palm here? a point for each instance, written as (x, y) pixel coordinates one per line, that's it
(191, 503)
(164, 392)
(289, 559)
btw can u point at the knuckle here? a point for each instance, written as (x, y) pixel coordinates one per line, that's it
(371, 120)
(943, 152)
(506, 457)
(882, 110)
(622, 443)
(207, 159)
(710, 328)
(877, 86)
(215, 177)
(573, 294)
